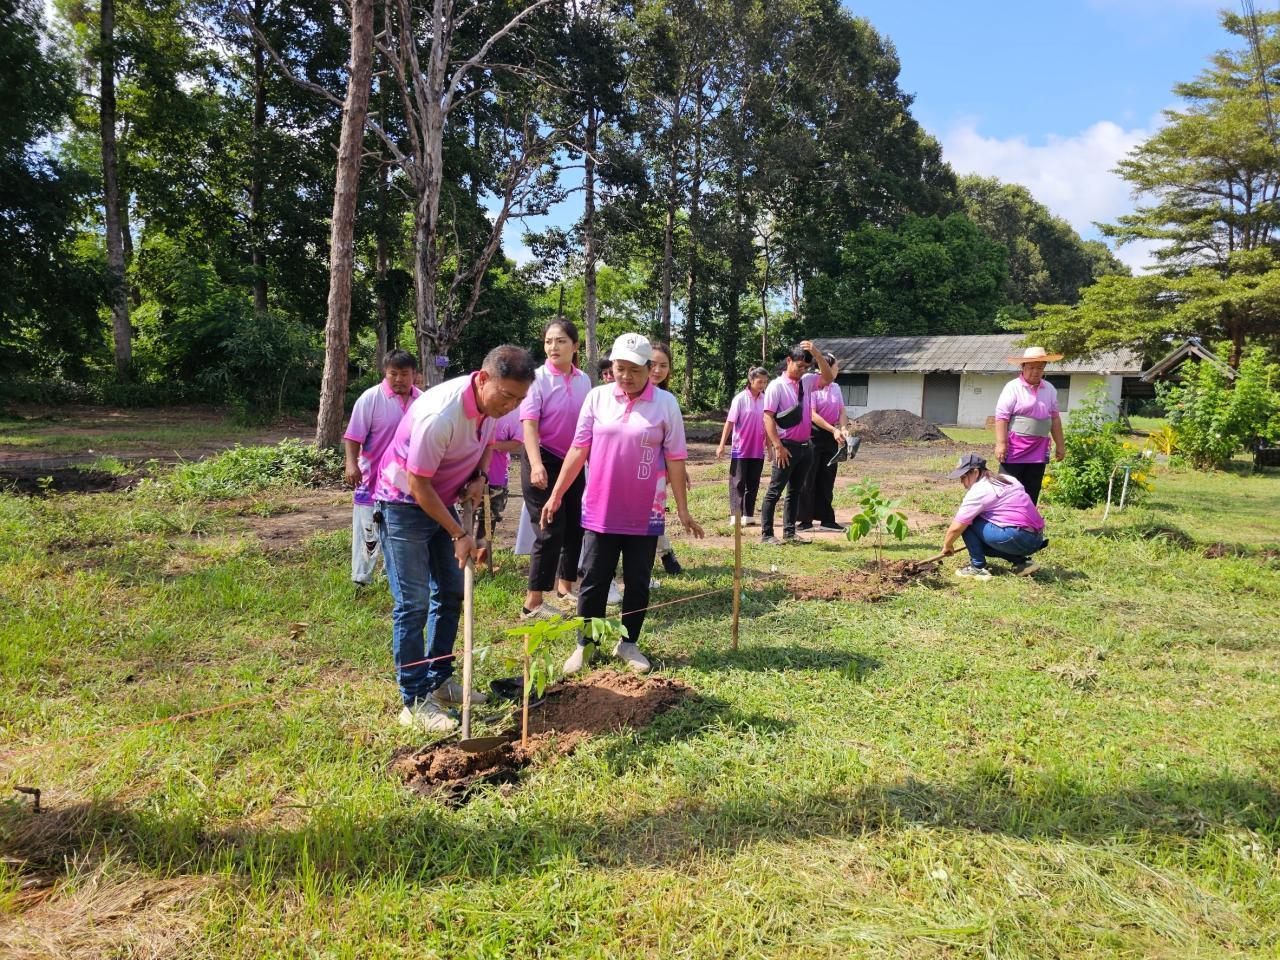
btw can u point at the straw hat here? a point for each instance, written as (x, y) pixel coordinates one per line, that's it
(1034, 355)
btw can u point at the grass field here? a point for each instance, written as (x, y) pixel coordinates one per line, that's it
(1086, 764)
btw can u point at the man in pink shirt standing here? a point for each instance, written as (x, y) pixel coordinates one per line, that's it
(1026, 416)
(374, 419)
(437, 458)
(996, 517)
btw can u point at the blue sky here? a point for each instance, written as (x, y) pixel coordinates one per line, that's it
(1046, 93)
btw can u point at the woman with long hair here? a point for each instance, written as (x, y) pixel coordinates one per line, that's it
(996, 517)
(746, 461)
(660, 377)
(549, 415)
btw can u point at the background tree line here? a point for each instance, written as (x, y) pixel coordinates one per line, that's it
(743, 171)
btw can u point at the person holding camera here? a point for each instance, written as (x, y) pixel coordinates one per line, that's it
(788, 423)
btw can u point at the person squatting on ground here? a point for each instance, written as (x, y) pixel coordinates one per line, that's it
(746, 459)
(788, 422)
(549, 415)
(1026, 416)
(373, 423)
(631, 436)
(660, 377)
(830, 429)
(437, 458)
(996, 517)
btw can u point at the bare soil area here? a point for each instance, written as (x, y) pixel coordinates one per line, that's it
(865, 585)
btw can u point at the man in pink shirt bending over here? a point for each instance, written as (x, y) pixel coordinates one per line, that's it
(438, 458)
(996, 517)
(374, 419)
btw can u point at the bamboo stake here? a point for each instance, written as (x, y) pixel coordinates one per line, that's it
(524, 710)
(737, 572)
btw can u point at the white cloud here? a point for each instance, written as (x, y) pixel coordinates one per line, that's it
(1071, 175)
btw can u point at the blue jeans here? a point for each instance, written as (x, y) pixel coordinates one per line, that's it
(982, 537)
(426, 585)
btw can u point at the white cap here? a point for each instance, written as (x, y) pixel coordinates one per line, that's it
(633, 348)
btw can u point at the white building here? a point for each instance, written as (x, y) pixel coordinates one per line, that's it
(955, 381)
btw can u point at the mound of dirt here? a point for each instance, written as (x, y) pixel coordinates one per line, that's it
(41, 481)
(895, 426)
(571, 712)
(865, 585)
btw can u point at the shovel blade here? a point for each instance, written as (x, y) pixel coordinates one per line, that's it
(481, 744)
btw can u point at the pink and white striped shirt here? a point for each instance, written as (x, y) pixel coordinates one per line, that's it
(554, 401)
(374, 419)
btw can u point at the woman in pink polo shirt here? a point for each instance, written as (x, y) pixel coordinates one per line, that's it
(996, 517)
(549, 415)
(632, 435)
(1026, 417)
(746, 461)
(660, 377)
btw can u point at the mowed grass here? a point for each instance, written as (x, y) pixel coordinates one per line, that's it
(1080, 765)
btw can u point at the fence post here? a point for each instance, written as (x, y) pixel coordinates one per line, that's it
(737, 572)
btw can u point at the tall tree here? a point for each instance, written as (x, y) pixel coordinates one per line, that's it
(346, 194)
(122, 335)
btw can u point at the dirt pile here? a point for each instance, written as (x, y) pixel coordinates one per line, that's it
(865, 585)
(42, 481)
(571, 712)
(895, 426)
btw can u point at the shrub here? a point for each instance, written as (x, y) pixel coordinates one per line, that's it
(1095, 450)
(1214, 417)
(245, 470)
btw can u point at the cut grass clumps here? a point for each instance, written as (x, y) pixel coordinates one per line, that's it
(246, 470)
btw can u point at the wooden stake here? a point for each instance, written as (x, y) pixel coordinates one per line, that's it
(524, 710)
(490, 535)
(737, 572)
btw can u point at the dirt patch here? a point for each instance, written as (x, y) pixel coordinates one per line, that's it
(895, 426)
(866, 585)
(44, 481)
(571, 712)
(308, 514)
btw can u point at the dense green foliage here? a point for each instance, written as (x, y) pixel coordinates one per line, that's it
(1096, 455)
(1213, 417)
(242, 471)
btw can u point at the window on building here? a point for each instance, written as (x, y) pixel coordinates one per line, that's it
(1063, 385)
(854, 388)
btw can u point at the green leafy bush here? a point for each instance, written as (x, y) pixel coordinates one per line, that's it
(245, 470)
(1095, 451)
(1214, 417)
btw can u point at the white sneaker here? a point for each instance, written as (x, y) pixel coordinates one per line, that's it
(542, 611)
(630, 654)
(428, 715)
(575, 662)
(615, 595)
(733, 520)
(750, 521)
(654, 584)
(450, 692)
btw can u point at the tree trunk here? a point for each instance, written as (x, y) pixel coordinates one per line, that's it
(111, 194)
(589, 308)
(337, 330)
(695, 233)
(426, 306)
(126, 238)
(257, 170)
(382, 308)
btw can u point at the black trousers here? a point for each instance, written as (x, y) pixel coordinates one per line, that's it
(1030, 475)
(556, 549)
(820, 483)
(600, 553)
(791, 477)
(744, 484)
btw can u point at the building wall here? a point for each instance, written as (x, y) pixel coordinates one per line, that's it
(978, 394)
(892, 391)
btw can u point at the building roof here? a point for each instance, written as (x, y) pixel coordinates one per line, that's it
(1191, 348)
(960, 354)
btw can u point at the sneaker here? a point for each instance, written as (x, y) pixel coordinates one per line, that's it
(793, 540)
(575, 662)
(733, 520)
(770, 541)
(542, 611)
(569, 601)
(450, 692)
(831, 528)
(615, 595)
(804, 526)
(653, 584)
(750, 521)
(428, 715)
(630, 654)
(1026, 568)
(974, 573)
(671, 564)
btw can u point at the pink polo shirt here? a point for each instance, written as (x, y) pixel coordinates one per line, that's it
(827, 402)
(630, 443)
(443, 436)
(508, 428)
(746, 413)
(1006, 504)
(782, 394)
(1020, 399)
(374, 419)
(554, 401)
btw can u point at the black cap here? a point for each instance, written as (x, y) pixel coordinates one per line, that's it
(970, 461)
